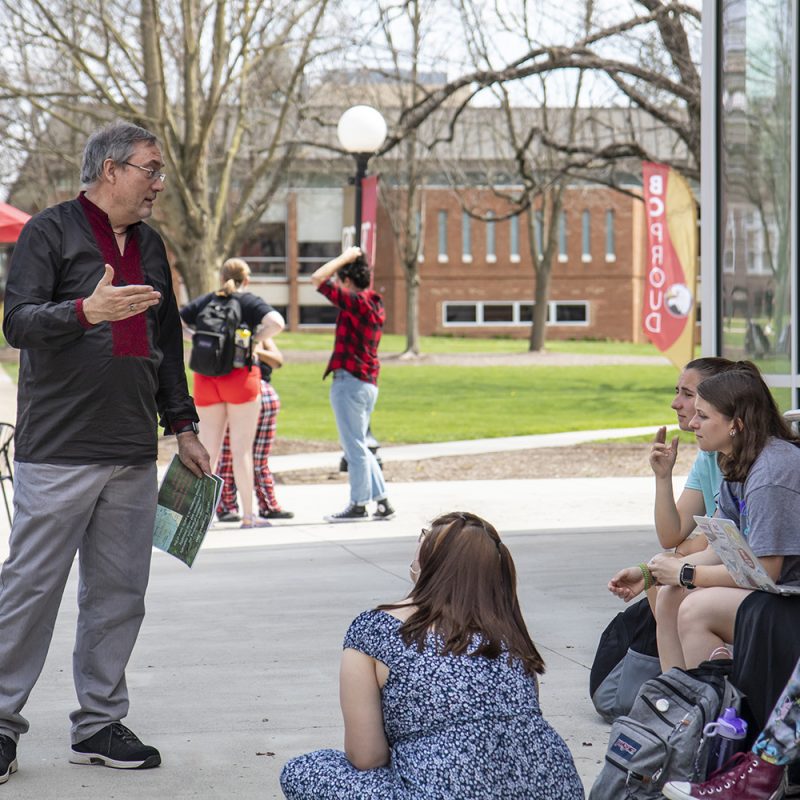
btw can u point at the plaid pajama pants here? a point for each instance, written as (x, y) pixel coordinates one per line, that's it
(265, 433)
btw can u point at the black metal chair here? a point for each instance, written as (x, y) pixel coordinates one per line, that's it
(6, 461)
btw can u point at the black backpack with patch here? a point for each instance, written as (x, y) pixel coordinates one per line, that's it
(626, 657)
(214, 339)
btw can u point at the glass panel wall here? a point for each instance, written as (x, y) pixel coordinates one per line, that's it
(755, 168)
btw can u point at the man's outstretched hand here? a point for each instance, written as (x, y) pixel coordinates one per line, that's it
(109, 303)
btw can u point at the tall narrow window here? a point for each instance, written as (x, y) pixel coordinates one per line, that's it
(442, 236)
(562, 236)
(586, 237)
(319, 227)
(514, 254)
(538, 228)
(491, 248)
(611, 241)
(420, 237)
(466, 237)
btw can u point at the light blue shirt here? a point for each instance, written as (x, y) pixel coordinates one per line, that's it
(705, 477)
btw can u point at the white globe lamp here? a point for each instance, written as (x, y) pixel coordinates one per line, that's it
(361, 129)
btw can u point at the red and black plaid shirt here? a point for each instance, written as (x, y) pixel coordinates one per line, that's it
(358, 331)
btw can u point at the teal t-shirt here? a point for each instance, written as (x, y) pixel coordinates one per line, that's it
(705, 477)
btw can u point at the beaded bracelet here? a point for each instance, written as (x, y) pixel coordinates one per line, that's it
(647, 575)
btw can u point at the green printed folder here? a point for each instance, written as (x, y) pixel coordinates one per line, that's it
(186, 506)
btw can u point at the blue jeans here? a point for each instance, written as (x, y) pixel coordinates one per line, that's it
(352, 401)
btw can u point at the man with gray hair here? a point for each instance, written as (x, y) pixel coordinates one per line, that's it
(90, 304)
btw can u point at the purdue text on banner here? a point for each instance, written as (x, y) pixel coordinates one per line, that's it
(186, 506)
(668, 311)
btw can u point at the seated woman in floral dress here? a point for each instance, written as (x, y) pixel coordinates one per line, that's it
(439, 692)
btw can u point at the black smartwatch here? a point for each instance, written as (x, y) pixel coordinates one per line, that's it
(186, 427)
(686, 576)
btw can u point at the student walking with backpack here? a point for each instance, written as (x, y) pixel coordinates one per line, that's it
(227, 385)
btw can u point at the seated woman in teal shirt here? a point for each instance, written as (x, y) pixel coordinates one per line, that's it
(675, 520)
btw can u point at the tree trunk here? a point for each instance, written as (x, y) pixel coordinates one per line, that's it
(540, 299)
(412, 310)
(200, 281)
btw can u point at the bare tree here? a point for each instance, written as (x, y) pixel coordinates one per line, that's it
(391, 64)
(647, 54)
(642, 62)
(220, 82)
(524, 135)
(403, 202)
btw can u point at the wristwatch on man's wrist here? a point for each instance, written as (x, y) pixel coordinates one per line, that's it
(185, 427)
(687, 575)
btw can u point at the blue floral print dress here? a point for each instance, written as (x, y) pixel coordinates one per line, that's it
(459, 727)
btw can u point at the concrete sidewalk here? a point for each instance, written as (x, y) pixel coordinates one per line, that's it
(236, 667)
(415, 452)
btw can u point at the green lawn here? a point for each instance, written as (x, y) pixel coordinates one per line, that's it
(435, 403)
(395, 343)
(438, 403)
(428, 404)
(423, 403)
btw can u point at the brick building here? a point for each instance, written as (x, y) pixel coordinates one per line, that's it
(476, 275)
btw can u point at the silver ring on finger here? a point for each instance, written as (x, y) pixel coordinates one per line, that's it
(132, 307)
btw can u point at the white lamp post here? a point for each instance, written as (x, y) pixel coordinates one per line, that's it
(361, 131)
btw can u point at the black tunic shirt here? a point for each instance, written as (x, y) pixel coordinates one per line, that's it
(89, 394)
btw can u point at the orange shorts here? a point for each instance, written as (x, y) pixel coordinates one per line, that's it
(238, 386)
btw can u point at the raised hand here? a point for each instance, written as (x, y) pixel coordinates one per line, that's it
(109, 303)
(662, 455)
(351, 254)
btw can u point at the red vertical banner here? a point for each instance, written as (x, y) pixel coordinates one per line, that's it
(369, 217)
(668, 311)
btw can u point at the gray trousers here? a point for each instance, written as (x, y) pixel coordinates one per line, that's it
(106, 514)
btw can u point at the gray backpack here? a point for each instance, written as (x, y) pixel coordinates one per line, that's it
(662, 738)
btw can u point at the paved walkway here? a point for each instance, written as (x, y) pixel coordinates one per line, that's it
(415, 452)
(236, 667)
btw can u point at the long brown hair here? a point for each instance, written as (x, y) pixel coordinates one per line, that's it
(467, 587)
(741, 395)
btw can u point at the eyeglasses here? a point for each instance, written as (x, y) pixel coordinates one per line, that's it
(414, 567)
(152, 174)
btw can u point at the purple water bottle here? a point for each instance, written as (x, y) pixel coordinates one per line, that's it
(728, 730)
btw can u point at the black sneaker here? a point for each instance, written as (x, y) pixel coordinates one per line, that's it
(353, 513)
(229, 516)
(384, 510)
(115, 746)
(8, 757)
(280, 514)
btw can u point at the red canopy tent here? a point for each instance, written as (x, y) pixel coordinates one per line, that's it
(11, 222)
